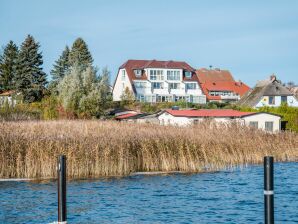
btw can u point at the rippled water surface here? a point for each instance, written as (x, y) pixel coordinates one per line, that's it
(223, 197)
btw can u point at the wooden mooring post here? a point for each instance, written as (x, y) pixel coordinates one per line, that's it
(268, 190)
(61, 171)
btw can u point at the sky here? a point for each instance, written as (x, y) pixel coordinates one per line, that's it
(252, 39)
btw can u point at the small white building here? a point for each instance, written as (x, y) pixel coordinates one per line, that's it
(158, 81)
(270, 93)
(265, 121)
(8, 97)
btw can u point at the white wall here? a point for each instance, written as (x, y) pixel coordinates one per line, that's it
(291, 101)
(120, 85)
(7, 99)
(261, 118)
(168, 119)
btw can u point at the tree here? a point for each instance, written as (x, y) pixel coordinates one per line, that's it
(127, 97)
(80, 55)
(7, 66)
(30, 80)
(61, 68)
(84, 92)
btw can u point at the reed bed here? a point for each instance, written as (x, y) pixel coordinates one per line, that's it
(29, 149)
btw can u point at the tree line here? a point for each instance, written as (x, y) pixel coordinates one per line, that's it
(76, 85)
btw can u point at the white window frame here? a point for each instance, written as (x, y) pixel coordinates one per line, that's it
(186, 76)
(156, 75)
(123, 75)
(174, 85)
(191, 83)
(160, 85)
(138, 72)
(173, 75)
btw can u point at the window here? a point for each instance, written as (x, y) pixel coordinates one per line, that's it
(140, 84)
(173, 75)
(253, 124)
(157, 85)
(284, 99)
(164, 98)
(141, 98)
(174, 85)
(269, 125)
(156, 75)
(271, 100)
(123, 75)
(178, 98)
(187, 75)
(191, 86)
(138, 72)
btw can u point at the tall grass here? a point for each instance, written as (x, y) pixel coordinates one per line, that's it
(29, 149)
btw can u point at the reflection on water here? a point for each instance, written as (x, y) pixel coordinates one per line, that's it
(223, 197)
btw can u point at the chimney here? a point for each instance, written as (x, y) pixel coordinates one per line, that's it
(272, 77)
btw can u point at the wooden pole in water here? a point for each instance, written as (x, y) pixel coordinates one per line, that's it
(61, 171)
(268, 190)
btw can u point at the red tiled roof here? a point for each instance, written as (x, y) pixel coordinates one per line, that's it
(131, 65)
(214, 75)
(124, 116)
(219, 80)
(236, 87)
(208, 113)
(7, 93)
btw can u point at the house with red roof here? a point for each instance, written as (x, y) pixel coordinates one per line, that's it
(219, 85)
(261, 120)
(158, 81)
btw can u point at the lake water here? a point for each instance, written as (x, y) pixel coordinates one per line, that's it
(222, 197)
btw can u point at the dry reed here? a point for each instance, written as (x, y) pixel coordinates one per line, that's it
(29, 149)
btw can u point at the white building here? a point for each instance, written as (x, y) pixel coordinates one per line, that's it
(270, 93)
(8, 97)
(158, 81)
(265, 121)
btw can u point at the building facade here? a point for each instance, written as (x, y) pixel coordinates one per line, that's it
(261, 120)
(158, 81)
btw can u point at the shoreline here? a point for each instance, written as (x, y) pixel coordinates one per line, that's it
(141, 173)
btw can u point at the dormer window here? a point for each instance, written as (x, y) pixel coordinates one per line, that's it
(187, 75)
(138, 72)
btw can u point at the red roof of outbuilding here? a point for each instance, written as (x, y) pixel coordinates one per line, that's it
(124, 116)
(208, 113)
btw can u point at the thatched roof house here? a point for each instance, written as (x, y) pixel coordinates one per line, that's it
(268, 92)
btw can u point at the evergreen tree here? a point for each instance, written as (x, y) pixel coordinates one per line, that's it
(80, 55)
(61, 68)
(7, 66)
(30, 80)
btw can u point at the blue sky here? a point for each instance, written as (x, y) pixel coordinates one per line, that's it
(252, 39)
